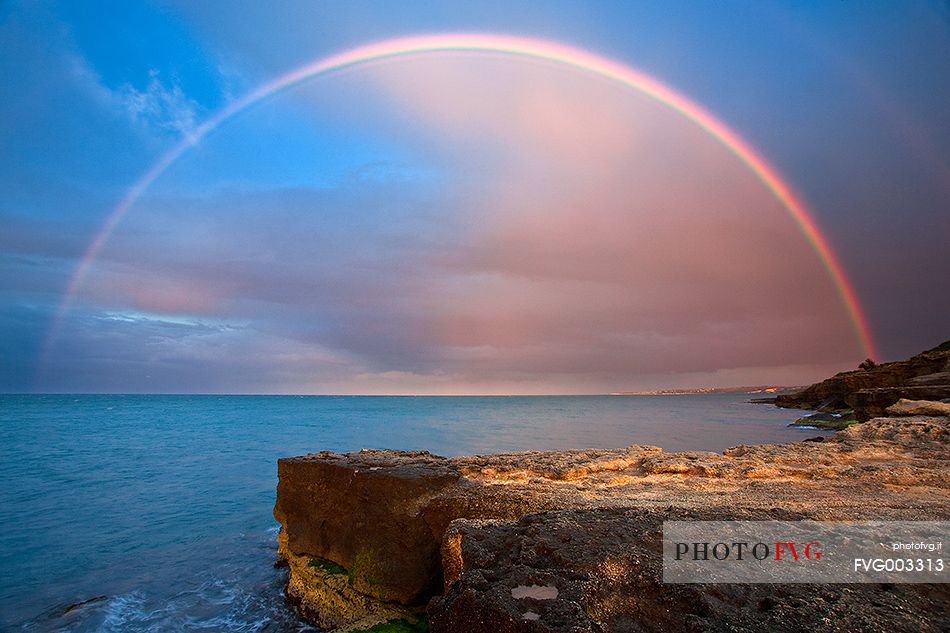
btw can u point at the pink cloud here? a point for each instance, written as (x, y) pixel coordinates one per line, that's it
(586, 239)
(614, 233)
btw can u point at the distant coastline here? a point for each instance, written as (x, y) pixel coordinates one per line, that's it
(706, 390)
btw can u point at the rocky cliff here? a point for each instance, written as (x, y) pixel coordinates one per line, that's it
(871, 390)
(570, 541)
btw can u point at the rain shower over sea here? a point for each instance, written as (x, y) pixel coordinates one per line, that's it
(153, 513)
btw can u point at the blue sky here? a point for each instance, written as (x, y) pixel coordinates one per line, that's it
(447, 224)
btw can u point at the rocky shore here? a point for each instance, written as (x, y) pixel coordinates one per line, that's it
(866, 392)
(571, 540)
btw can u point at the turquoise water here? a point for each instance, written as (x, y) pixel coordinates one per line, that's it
(160, 506)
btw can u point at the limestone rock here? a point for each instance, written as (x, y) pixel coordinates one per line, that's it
(918, 407)
(870, 391)
(363, 511)
(602, 571)
(489, 538)
(873, 403)
(937, 378)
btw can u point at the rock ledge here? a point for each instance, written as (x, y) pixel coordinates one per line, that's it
(570, 540)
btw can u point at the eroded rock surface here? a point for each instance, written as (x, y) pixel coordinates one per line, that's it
(918, 407)
(616, 585)
(467, 532)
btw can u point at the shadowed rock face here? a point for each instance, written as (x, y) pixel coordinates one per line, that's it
(568, 540)
(869, 392)
(365, 512)
(615, 586)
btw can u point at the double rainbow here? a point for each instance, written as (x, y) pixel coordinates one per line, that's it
(516, 47)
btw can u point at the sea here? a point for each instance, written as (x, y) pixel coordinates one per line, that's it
(132, 513)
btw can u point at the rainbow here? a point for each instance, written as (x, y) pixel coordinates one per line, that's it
(542, 50)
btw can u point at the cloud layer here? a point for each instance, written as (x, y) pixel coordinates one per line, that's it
(579, 237)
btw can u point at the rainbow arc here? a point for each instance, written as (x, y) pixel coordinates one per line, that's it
(547, 51)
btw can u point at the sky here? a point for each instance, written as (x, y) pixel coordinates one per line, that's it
(465, 222)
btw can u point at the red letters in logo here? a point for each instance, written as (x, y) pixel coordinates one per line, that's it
(806, 551)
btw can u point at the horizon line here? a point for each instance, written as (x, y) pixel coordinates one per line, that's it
(647, 392)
